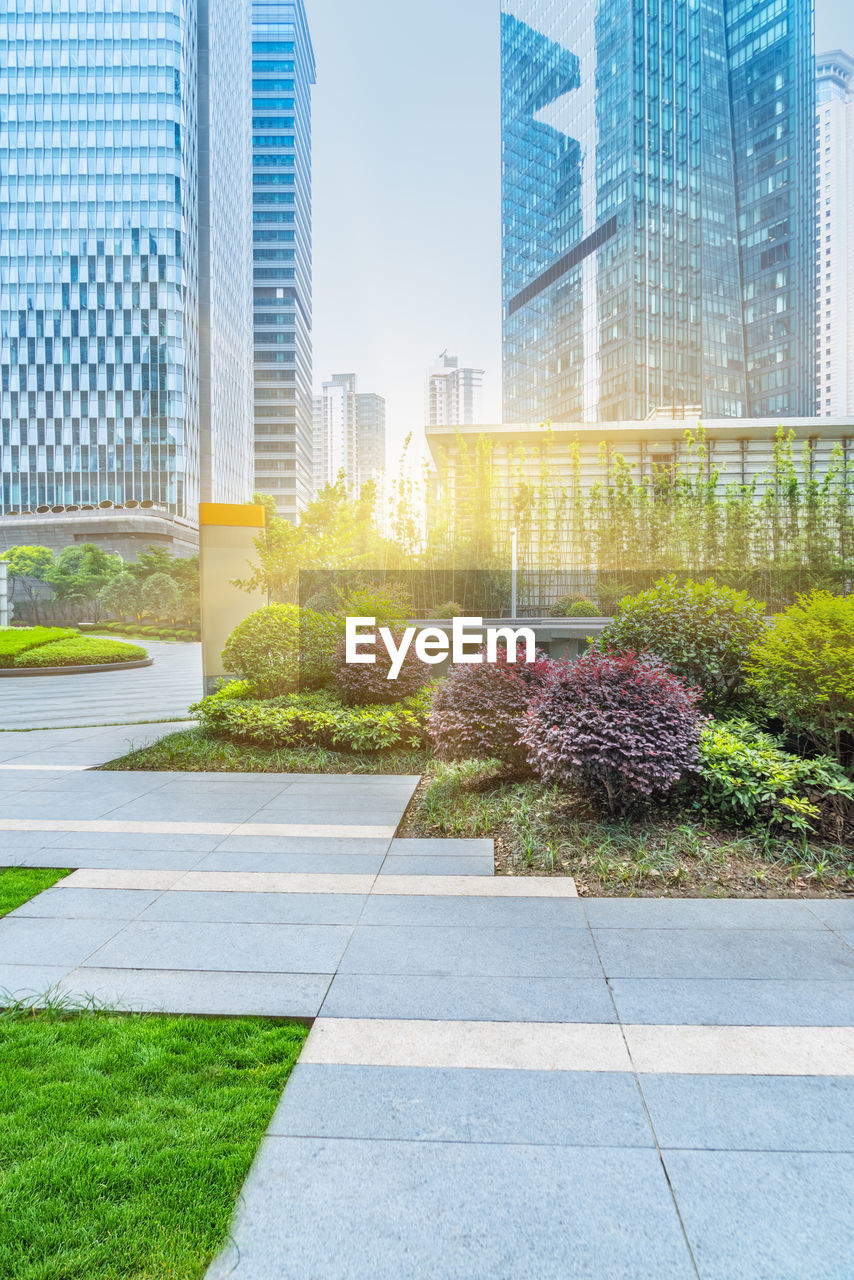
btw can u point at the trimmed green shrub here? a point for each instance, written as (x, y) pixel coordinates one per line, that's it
(82, 651)
(186, 635)
(389, 603)
(281, 647)
(317, 718)
(450, 609)
(803, 670)
(17, 640)
(619, 726)
(703, 632)
(574, 606)
(748, 779)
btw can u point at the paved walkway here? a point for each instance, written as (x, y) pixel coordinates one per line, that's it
(501, 1080)
(159, 692)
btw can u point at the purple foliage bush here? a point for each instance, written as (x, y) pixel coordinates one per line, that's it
(477, 712)
(620, 726)
(363, 684)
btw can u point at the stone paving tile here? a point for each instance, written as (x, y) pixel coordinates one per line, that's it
(28, 980)
(365, 1210)
(471, 999)
(250, 842)
(516, 1046)
(130, 842)
(444, 848)
(766, 1215)
(434, 949)
(473, 911)
(258, 948)
(776, 1051)
(699, 913)
(723, 953)
(422, 866)
(52, 942)
(751, 1113)
(291, 995)
(836, 913)
(549, 1108)
(86, 904)
(152, 860)
(762, 1002)
(350, 864)
(269, 908)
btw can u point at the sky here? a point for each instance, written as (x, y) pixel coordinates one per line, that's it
(406, 192)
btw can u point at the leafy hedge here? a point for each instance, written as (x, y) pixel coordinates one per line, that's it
(748, 780)
(575, 606)
(312, 719)
(281, 647)
(17, 640)
(81, 651)
(803, 670)
(702, 630)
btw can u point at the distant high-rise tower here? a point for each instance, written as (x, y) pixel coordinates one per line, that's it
(125, 254)
(657, 208)
(834, 148)
(349, 433)
(453, 394)
(282, 75)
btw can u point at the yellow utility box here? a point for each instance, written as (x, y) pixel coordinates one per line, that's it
(227, 534)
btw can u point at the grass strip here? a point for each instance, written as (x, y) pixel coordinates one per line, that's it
(196, 750)
(124, 1140)
(19, 884)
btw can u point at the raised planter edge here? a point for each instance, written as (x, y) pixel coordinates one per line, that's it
(88, 669)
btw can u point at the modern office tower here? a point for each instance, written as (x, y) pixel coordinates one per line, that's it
(349, 433)
(657, 209)
(125, 254)
(370, 436)
(282, 76)
(834, 148)
(453, 394)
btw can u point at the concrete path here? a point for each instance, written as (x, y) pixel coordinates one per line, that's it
(501, 1080)
(56, 753)
(163, 691)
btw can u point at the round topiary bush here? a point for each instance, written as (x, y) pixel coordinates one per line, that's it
(363, 684)
(450, 609)
(803, 670)
(477, 712)
(701, 630)
(619, 726)
(281, 647)
(574, 606)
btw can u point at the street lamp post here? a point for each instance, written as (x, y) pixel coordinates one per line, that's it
(513, 571)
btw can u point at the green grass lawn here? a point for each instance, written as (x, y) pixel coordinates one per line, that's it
(19, 884)
(193, 749)
(124, 1139)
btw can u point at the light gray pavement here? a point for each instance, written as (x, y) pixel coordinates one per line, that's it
(501, 1080)
(162, 691)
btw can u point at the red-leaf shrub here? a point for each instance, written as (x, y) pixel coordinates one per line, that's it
(364, 684)
(477, 711)
(620, 726)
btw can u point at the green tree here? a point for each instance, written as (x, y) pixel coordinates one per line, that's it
(121, 596)
(79, 573)
(160, 597)
(27, 567)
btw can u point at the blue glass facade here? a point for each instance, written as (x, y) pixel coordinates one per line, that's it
(657, 206)
(282, 75)
(108, 294)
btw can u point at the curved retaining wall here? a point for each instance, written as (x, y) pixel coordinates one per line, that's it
(75, 671)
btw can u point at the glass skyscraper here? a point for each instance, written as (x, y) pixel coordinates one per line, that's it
(125, 253)
(282, 75)
(657, 208)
